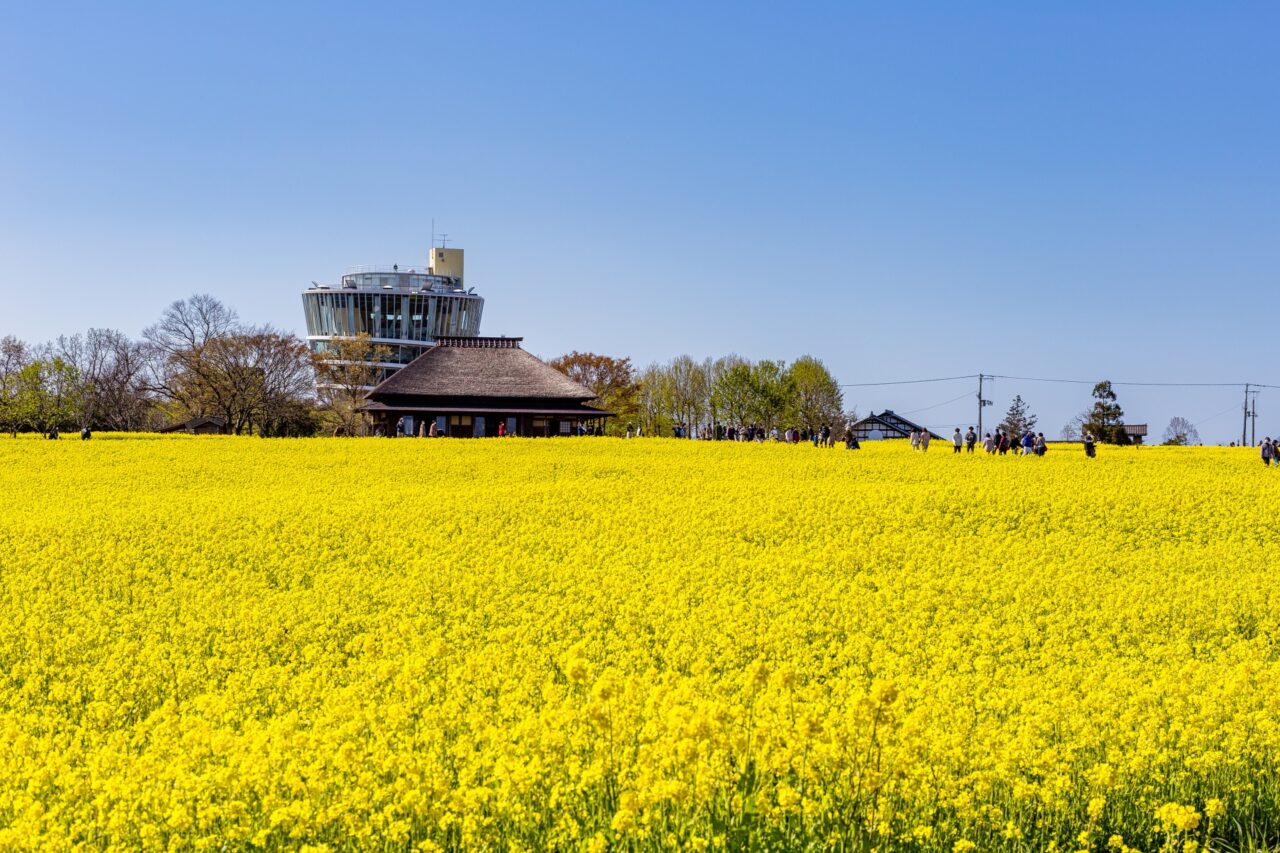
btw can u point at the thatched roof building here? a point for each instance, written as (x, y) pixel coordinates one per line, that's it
(475, 387)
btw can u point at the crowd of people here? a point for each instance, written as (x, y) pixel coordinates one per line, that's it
(823, 436)
(1001, 442)
(997, 444)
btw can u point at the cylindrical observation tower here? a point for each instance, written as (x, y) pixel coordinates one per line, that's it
(402, 309)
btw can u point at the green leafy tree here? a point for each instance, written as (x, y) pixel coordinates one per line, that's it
(815, 395)
(715, 370)
(654, 396)
(1018, 419)
(772, 391)
(734, 393)
(1106, 418)
(611, 379)
(753, 393)
(50, 394)
(690, 390)
(344, 374)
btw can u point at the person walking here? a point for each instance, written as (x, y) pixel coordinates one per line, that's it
(1268, 451)
(1002, 441)
(1041, 445)
(970, 439)
(434, 430)
(989, 444)
(915, 440)
(957, 440)
(1089, 449)
(924, 440)
(1028, 442)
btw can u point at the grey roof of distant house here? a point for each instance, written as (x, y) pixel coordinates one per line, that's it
(889, 418)
(480, 367)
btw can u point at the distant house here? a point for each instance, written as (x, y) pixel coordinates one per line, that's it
(1136, 432)
(886, 425)
(208, 425)
(470, 386)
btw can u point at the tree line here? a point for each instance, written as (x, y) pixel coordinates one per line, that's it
(198, 360)
(677, 396)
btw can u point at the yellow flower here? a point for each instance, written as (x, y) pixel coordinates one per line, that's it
(624, 820)
(1173, 816)
(563, 644)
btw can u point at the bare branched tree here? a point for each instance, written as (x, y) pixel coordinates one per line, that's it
(1181, 431)
(113, 393)
(203, 361)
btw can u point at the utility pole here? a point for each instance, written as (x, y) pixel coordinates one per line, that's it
(1244, 427)
(981, 404)
(1253, 421)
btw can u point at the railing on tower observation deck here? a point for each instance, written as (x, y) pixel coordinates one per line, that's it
(422, 281)
(384, 268)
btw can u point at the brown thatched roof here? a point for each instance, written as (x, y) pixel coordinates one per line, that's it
(479, 367)
(581, 410)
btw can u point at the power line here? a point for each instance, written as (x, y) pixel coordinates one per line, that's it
(907, 381)
(936, 405)
(1062, 381)
(1127, 384)
(1230, 408)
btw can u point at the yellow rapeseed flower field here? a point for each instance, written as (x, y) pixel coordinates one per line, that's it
(234, 643)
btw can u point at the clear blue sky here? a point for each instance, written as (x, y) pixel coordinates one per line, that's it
(904, 190)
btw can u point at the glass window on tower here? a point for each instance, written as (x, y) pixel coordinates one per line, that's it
(367, 314)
